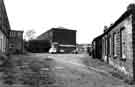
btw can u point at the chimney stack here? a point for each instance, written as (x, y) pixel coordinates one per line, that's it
(131, 6)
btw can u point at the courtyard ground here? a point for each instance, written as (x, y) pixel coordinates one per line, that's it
(70, 70)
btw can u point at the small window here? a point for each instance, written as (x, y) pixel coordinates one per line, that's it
(19, 34)
(10, 34)
(123, 43)
(115, 44)
(110, 45)
(106, 46)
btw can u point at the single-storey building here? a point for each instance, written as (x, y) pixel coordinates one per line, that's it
(116, 45)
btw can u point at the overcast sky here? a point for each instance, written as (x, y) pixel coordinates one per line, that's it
(88, 17)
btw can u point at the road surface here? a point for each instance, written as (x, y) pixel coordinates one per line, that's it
(71, 72)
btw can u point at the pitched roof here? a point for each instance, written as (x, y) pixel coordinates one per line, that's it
(119, 20)
(122, 17)
(4, 22)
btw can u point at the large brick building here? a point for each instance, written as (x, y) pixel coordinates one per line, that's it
(63, 39)
(117, 44)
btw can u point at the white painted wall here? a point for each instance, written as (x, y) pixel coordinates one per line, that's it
(2, 42)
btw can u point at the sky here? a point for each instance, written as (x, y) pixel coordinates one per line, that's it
(88, 17)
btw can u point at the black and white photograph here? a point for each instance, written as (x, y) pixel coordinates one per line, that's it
(67, 43)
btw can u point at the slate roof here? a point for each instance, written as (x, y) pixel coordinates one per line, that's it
(119, 20)
(4, 22)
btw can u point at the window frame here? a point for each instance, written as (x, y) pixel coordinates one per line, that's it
(122, 49)
(115, 44)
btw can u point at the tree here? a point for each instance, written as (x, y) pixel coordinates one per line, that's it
(30, 34)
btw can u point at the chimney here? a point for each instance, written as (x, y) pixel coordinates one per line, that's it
(131, 6)
(105, 28)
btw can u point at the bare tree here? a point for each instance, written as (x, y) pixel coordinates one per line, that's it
(30, 34)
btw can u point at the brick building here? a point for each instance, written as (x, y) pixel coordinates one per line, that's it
(5, 32)
(16, 41)
(63, 39)
(116, 45)
(4, 28)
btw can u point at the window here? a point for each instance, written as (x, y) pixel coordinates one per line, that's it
(106, 48)
(122, 43)
(19, 34)
(1, 44)
(110, 44)
(115, 44)
(14, 34)
(10, 34)
(103, 45)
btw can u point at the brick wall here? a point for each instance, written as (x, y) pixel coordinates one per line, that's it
(116, 60)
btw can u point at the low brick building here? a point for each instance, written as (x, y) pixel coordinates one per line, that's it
(117, 44)
(16, 41)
